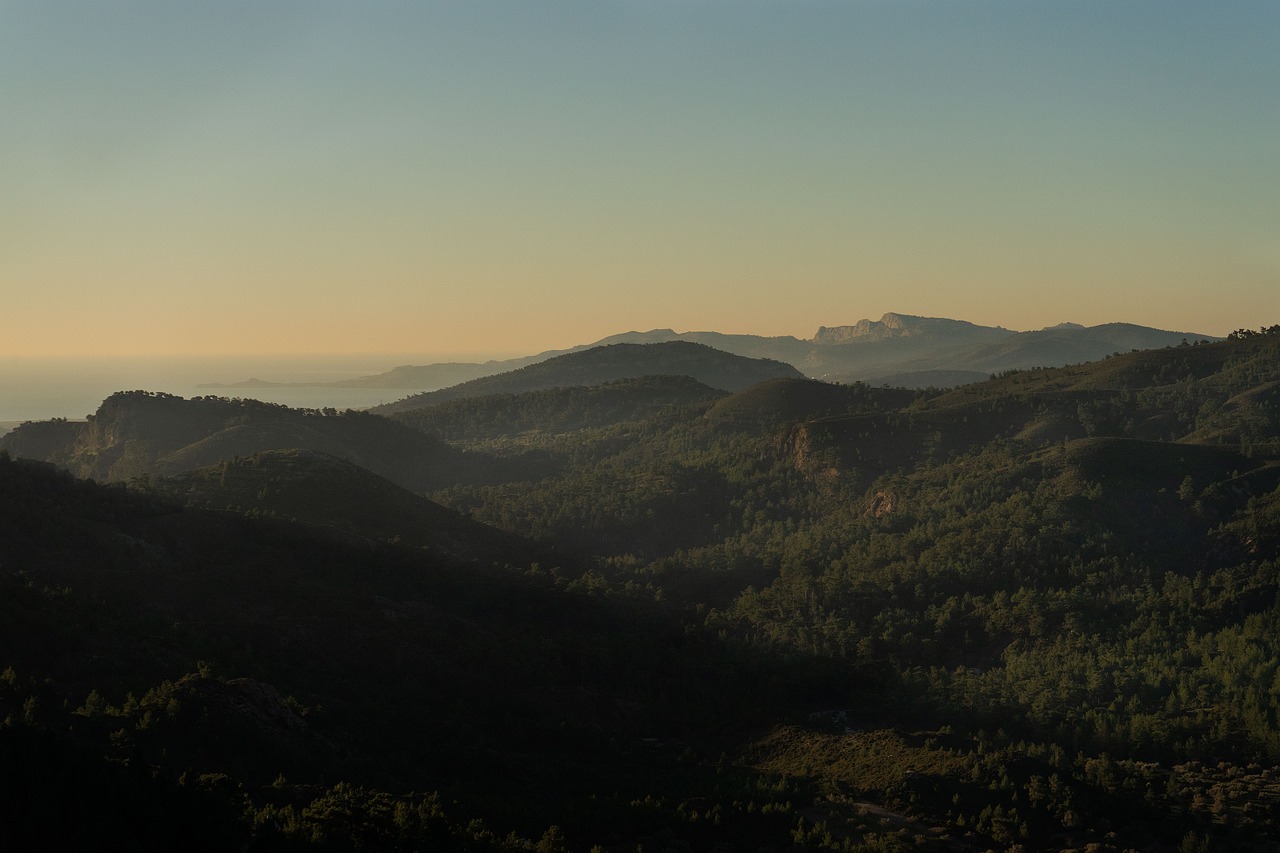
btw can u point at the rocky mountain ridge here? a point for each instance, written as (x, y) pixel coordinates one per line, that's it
(868, 350)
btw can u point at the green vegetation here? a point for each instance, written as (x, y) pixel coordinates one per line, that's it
(1035, 613)
(474, 420)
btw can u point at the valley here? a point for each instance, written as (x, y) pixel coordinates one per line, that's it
(658, 609)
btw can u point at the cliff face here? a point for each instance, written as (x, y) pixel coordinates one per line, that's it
(808, 456)
(128, 425)
(938, 330)
(888, 326)
(130, 429)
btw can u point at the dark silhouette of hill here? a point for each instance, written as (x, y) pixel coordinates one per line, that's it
(139, 433)
(782, 401)
(41, 439)
(610, 363)
(315, 488)
(432, 377)
(210, 653)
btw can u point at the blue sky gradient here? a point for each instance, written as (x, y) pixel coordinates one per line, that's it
(288, 177)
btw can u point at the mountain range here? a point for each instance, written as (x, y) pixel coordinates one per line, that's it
(1034, 612)
(897, 349)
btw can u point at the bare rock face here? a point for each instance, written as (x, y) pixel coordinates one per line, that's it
(868, 330)
(889, 326)
(881, 504)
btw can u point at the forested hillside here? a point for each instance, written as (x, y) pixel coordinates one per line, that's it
(1034, 613)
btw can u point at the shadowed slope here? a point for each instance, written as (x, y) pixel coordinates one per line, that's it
(136, 433)
(610, 363)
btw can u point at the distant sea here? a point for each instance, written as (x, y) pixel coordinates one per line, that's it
(40, 389)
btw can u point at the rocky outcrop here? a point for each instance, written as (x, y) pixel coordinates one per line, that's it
(881, 504)
(888, 326)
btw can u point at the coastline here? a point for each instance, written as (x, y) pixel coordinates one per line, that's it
(39, 389)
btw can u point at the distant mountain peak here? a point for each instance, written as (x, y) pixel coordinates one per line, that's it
(897, 346)
(871, 329)
(893, 325)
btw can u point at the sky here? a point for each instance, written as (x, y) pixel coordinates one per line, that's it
(214, 178)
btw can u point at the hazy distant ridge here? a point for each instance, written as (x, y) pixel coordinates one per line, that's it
(613, 362)
(869, 350)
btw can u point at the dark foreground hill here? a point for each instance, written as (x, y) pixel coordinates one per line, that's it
(204, 680)
(786, 401)
(337, 495)
(708, 366)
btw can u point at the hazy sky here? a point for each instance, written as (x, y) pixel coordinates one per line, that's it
(360, 176)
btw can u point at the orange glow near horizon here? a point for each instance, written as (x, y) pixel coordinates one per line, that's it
(430, 179)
